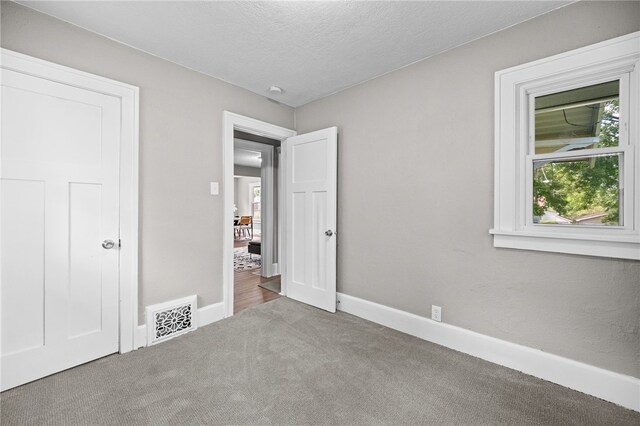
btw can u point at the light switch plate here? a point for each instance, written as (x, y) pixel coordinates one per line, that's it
(215, 188)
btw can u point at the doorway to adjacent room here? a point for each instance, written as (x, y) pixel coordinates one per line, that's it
(256, 278)
(299, 239)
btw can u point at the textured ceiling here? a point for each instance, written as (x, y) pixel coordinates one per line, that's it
(310, 49)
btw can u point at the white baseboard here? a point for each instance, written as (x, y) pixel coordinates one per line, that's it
(141, 337)
(210, 314)
(614, 387)
(206, 315)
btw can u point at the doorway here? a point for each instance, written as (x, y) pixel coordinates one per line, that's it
(306, 230)
(256, 277)
(251, 135)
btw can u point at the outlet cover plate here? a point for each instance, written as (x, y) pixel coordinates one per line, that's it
(436, 313)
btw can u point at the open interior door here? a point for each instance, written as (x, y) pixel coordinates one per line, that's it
(310, 217)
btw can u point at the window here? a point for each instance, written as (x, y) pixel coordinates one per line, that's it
(577, 157)
(567, 154)
(256, 209)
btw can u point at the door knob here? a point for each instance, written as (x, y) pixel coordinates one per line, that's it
(108, 244)
(328, 233)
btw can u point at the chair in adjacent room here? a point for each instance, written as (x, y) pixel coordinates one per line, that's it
(245, 226)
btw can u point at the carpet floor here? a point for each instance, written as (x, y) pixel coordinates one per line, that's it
(284, 362)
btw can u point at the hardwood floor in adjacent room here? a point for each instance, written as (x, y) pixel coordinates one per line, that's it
(246, 292)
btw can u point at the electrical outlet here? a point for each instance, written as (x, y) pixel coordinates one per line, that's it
(436, 313)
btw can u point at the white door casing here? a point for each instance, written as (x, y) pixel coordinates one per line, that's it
(232, 122)
(66, 187)
(310, 214)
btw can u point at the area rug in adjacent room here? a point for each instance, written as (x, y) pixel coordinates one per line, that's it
(273, 285)
(245, 261)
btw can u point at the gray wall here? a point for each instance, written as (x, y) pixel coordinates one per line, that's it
(180, 148)
(245, 196)
(416, 201)
(246, 171)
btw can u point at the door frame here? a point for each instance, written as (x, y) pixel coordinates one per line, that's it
(231, 122)
(128, 175)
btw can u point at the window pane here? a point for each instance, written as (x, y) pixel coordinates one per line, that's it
(577, 191)
(256, 209)
(577, 119)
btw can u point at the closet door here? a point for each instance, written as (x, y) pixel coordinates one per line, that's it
(59, 229)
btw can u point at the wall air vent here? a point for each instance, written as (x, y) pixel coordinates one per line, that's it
(171, 319)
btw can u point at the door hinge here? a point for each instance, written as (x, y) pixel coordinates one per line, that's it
(119, 243)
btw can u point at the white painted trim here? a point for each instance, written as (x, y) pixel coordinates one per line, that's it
(282, 217)
(205, 316)
(129, 98)
(557, 244)
(614, 387)
(210, 314)
(231, 122)
(515, 88)
(141, 337)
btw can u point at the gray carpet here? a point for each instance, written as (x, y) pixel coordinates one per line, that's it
(273, 285)
(287, 363)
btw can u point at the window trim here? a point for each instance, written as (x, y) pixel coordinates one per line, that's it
(515, 90)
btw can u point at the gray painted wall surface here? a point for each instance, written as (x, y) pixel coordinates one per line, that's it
(416, 201)
(245, 195)
(180, 148)
(246, 171)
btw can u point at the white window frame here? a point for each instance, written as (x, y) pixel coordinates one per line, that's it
(515, 92)
(253, 187)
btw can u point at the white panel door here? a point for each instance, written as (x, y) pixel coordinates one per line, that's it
(311, 200)
(59, 203)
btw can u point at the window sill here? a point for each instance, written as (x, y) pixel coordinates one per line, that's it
(620, 248)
